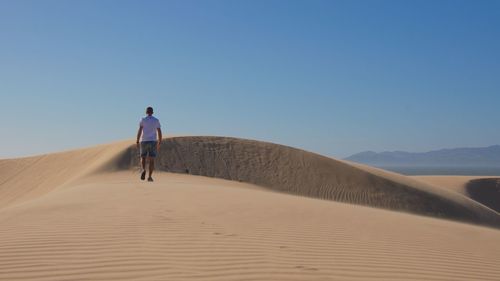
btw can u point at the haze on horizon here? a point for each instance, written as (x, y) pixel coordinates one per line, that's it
(332, 77)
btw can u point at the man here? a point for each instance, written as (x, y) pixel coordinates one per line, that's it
(150, 143)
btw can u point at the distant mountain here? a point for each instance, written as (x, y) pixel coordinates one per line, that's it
(457, 157)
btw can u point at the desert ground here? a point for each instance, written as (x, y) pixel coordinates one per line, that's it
(223, 208)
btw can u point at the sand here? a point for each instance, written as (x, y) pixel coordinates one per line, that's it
(455, 183)
(482, 189)
(85, 215)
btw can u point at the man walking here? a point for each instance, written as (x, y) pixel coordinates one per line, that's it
(150, 143)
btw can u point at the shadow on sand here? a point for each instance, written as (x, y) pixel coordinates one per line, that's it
(486, 192)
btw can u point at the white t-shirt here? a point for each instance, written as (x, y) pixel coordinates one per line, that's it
(149, 125)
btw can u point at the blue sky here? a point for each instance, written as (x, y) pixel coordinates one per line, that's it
(333, 77)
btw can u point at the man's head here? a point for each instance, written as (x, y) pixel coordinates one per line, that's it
(149, 111)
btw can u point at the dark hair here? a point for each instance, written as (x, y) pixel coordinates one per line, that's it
(149, 109)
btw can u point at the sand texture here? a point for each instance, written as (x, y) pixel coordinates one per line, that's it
(485, 190)
(213, 214)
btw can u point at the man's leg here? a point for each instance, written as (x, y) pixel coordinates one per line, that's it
(143, 163)
(151, 167)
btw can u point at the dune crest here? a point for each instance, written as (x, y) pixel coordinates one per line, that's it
(299, 172)
(276, 167)
(23, 179)
(85, 215)
(482, 189)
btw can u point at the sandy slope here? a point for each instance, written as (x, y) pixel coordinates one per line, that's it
(455, 183)
(27, 178)
(483, 189)
(84, 215)
(182, 227)
(295, 171)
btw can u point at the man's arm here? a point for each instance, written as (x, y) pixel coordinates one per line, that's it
(159, 137)
(139, 132)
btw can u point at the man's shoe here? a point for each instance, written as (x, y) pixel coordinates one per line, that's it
(143, 175)
(150, 179)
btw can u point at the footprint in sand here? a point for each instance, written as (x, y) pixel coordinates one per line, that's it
(306, 268)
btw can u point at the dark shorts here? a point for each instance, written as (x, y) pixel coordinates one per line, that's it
(148, 148)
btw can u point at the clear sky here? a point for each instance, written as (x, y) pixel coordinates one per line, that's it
(333, 77)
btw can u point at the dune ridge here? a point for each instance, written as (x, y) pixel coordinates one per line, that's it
(486, 191)
(23, 179)
(482, 189)
(277, 167)
(299, 172)
(85, 215)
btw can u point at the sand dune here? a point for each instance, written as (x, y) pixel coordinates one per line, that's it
(299, 172)
(273, 166)
(31, 177)
(85, 215)
(455, 183)
(182, 227)
(485, 190)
